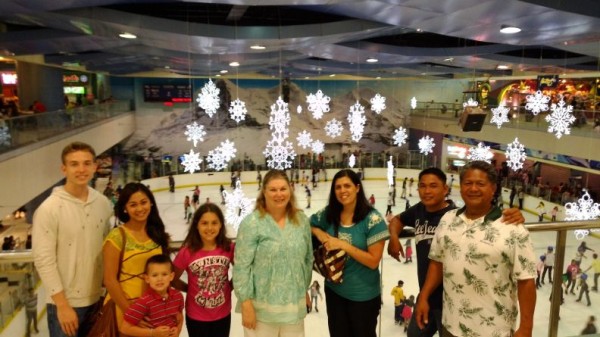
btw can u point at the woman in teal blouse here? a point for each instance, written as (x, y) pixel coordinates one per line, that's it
(353, 305)
(273, 262)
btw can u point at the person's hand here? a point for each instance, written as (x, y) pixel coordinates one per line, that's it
(67, 318)
(512, 216)
(248, 315)
(334, 243)
(422, 313)
(162, 331)
(145, 323)
(395, 249)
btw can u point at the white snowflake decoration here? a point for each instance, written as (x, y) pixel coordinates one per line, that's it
(351, 161)
(560, 119)
(299, 109)
(195, 133)
(219, 157)
(333, 128)
(280, 154)
(471, 103)
(537, 103)
(378, 103)
(400, 136)
(515, 155)
(279, 120)
(191, 161)
(357, 120)
(426, 145)
(500, 115)
(318, 147)
(5, 137)
(413, 103)
(238, 110)
(390, 172)
(318, 104)
(584, 209)
(237, 206)
(304, 139)
(208, 98)
(481, 152)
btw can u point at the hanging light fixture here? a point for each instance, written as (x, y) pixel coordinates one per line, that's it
(509, 29)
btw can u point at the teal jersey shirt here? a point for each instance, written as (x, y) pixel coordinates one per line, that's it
(361, 283)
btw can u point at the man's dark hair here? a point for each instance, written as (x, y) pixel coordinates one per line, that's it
(435, 171)
(482, 166)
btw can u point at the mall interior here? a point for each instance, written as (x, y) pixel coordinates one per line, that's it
(131, 78)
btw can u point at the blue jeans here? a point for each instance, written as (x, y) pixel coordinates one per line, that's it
(54, 325)
(434, 325)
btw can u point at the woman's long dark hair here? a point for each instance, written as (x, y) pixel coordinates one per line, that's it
(193, 240)
(334, 207)
(155, 228)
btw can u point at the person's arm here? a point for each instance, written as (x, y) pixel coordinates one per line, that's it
(395, 227)
(44, 243)
(513, 216)
(179, 323)
(243, 285)
(179, 267)
(432, 282)
(111, 256)
(136, 331)
(369, 258)
(527, 298)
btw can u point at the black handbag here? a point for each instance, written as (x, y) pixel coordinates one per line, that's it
(330, 264)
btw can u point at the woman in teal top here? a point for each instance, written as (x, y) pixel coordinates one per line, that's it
(353, 305)
(273, 262)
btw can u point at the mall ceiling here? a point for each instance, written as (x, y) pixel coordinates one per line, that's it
(409, 38)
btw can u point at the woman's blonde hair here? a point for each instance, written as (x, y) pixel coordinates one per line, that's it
(261, 203)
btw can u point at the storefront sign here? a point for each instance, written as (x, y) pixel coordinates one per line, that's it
(9, 78)
(457, 151)
(547, 81)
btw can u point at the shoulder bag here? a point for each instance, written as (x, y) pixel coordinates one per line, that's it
(331, 263)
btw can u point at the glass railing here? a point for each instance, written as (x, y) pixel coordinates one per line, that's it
(584, 126)
(17, 274)
(26, 128)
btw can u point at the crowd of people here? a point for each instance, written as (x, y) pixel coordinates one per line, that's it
(77, 251)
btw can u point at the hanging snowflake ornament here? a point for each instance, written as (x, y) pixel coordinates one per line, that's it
(279, 120)
(584, 209)
(357, 120)
(219, 157)
(515, 155)
(304, 139)
(481, 152)
(560, 119)
(5, 137)
(426, 145)
(237, 206)
(378, 103)
(318, 104)
(500, 115)
(390, 172)
(208, 98)
(351, 161)
(191, 161)
(400, 136)
(318, 147)
(470, 102)
(537, 102)
(195, 133)
(228, 149)
(413, 103)
(238, 111)
(299, 109)
(333, 128)
(280, 154)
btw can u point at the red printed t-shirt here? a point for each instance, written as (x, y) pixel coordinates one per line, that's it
(209, 288)
(160, 311)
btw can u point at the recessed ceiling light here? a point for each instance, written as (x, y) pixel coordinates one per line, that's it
(502, 67)
(419, 30)
(378, 77)
(224, 71)
(127, 35)
(306, 77)
(218, 75)
(234, 64)
(332, 75)
(167, 67)
(449, 59)
(506, 29)
(257, 47)
(372, 60)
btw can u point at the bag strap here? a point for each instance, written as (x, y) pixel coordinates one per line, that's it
(122, 253)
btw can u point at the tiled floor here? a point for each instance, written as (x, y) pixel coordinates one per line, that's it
(573, 314)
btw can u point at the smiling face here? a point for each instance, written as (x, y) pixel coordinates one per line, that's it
(138, 207)
(159, 277)
(476, 189)
(78, 168)
(277, 194)
(346, 191)
(209, 227)
(432, 192)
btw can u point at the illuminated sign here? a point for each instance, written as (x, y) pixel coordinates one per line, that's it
(457, 151)
(9, 78)
(74, 90)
